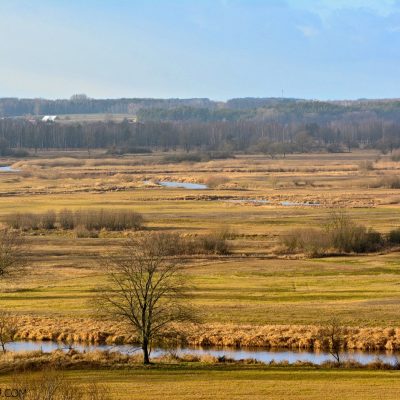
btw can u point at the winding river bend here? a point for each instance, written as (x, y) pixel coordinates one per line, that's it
(263, 355)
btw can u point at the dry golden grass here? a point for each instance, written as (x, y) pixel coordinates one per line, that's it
(73, 330)
(202, 381)
(252, 287)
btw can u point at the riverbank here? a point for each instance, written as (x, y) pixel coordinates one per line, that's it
(306, 337)
(71, 359)
(221, 381)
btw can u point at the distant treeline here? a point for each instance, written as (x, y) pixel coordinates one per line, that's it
(81, 104)
(205, 110)
(230, 136)
(269, 125)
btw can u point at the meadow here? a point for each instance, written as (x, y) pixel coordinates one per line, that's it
(255, 284)
(233, 382)
(255, 295)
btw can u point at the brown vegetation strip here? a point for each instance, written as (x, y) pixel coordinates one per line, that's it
(270, 336)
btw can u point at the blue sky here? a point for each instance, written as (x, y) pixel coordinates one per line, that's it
(325, 49)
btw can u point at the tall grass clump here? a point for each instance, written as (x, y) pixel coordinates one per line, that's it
(340, 234)
(214, 181)
(23, 221)
(211, 243)
(311, 241)
(115, 220)
(393, 237)
(85, 219)
(66, 219)
(366, 165)
(388, 182)
(48, 220)
(348, 237)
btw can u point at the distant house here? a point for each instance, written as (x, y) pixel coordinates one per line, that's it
(49, 118)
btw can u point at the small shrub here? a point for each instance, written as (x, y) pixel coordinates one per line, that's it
(216, 180)
(393, 236)
(214, 243)
(128, 150)
(179, 158)
(48, 220)
(395, 155)
(313, 242)
(112, 220)
(346, 236)
(66, 219)
(20, 153)
(340, 234)
(23, 221)
(366, 165)
(389, 182)
(82, 232)
(197, 157)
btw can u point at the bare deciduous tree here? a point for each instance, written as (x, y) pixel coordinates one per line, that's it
(147, 288)
(332, 337)
(12, 253)
(8, 328)
(12, 262)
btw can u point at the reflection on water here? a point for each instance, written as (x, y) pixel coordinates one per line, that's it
(293, 204)
(263, 355)
(252, 201)
(184, 185)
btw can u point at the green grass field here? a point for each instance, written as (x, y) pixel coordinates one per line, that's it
(225, 382)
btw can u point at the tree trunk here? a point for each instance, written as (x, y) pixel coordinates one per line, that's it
(145, 348)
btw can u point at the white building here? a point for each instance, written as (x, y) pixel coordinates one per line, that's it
(49, 118)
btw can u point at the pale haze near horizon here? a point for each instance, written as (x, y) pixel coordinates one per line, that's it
(219, 49)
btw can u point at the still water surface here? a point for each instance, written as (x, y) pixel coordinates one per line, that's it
(264, 355)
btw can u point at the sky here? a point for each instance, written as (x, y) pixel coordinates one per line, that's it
(220, 49)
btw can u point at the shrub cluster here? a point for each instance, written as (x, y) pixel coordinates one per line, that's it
(395, 155)
(214, 181)
(212, 243)
(366, 165)
(84, 220)
(27, 221)
(340, 235)
(128, 150)
(389, 182)
(197, 157)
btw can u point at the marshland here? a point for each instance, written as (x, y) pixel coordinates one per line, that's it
(274, 249)
(259, 281)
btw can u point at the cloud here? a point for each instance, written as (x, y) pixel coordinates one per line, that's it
(308, 31)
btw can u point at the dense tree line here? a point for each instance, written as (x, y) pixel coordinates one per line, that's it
(205, 110)
(270, 137)
(81, 104)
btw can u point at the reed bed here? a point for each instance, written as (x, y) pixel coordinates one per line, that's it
(305, 337)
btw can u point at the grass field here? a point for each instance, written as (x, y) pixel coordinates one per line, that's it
(205, 382)
(245, 294)
(255, 284)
